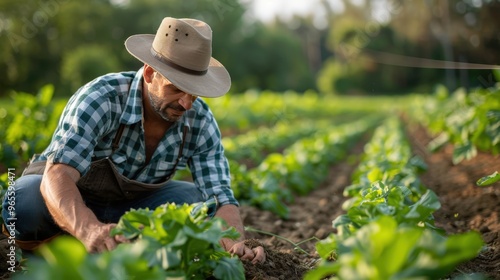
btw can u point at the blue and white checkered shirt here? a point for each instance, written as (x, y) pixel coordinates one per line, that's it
(91, 119)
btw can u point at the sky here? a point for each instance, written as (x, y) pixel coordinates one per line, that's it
(267, 10)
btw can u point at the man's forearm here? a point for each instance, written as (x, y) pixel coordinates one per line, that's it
(64, 201)
(231, 214)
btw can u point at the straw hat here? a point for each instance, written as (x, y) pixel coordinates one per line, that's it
(181, 51)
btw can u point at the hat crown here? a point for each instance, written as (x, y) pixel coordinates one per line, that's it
(185, 42)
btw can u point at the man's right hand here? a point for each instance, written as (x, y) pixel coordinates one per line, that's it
(97, 238)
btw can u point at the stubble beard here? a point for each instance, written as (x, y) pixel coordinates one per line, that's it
(162, 113)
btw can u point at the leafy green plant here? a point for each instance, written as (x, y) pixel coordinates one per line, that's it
(172, 241)
(384, 250)
(383, 200)
(388, 230)
(469, 121)
(488, 180)
(299, 169)
(66, 258)
(28, 129)
(183, 243)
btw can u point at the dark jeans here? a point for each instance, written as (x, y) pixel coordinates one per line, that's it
(34, 222)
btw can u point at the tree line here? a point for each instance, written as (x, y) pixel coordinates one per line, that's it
(67, 43)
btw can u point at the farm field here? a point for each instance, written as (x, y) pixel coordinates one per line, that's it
(315, 174)
(464, 208)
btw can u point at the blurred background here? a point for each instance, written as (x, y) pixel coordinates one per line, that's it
(330, 46)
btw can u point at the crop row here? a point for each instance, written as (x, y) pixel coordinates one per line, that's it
(469, 121)
(388, 229)
(253, 145)
(241, 112)
(169, 242)
(298, 170)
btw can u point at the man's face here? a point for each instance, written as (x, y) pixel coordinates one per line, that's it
(167, 100)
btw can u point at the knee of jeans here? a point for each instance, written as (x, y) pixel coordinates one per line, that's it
(24, 205)
(182, 192)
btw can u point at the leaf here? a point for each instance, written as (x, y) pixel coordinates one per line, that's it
(326, 247)
(418, 163)
(438, 142)
(229, 268)
(424, 208)
(488, 180)
(45, 94)
(464, 152)
(323, 271)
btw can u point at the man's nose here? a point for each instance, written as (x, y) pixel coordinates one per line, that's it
(186, 101)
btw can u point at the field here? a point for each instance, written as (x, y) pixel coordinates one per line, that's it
(346, 187)
(464, 207)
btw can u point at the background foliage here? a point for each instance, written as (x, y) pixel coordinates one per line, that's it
(67, 43)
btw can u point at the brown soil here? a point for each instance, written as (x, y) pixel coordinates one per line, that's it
(464, 207)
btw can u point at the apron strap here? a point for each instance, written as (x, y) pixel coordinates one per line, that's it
(118, 135)
(184, 133)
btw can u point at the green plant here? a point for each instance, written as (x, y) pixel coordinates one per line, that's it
(488, 180)
(182, 242)
(28, 129)
(469, 121)
(172, 241)
(388, 230)
(384, 250)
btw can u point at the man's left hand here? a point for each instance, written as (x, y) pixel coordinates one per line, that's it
(255, 255)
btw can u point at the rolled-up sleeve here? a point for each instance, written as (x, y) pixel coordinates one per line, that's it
(210, 167)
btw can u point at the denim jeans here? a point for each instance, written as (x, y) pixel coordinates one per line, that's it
(34, 222)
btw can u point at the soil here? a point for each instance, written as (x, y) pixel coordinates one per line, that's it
(465, 207)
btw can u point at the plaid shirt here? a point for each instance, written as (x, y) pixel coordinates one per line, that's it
(91, 119)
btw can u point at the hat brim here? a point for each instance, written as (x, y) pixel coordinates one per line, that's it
(214, 83)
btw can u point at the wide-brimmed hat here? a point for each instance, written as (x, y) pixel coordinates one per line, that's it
(181, 51)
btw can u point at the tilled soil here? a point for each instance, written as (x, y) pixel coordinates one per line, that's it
(464, 207)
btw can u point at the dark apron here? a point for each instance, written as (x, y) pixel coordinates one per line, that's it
(104, 183)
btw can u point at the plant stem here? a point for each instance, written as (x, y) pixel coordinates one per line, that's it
(295, 245)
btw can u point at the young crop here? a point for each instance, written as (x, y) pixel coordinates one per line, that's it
(383, 249)
(388, 230)
(488, 180)
(169, 242)
(28, 129)
(300, 168)
(469, 121)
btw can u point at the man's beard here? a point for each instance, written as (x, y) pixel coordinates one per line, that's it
(163, 113)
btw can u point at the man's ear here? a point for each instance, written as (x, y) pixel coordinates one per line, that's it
(147, 74)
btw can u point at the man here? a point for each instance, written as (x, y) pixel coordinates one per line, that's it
(121, 138)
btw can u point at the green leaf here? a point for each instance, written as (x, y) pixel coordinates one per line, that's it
(229, 268)
(168, 259)
(323, 271)
(395, 255)
(438, 142)
(464, 152)
(423, 208)
(326, 248)
(488, 180)
(59, 259)
(45, 94)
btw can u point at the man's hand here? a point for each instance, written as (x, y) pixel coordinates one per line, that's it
(255, 255)
(231, 214)
(98, 239)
